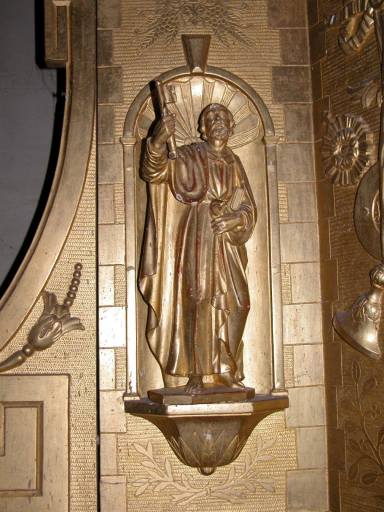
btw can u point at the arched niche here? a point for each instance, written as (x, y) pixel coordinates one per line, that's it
(253, 141)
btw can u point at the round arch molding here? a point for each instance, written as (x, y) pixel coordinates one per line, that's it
(132, 143)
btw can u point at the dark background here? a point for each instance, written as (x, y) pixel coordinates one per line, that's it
(28, 109)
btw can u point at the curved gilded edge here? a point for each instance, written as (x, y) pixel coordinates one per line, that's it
(70, 173)
(128, 140)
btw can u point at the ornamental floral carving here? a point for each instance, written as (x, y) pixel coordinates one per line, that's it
(348, 150)
(365, 432)
(233, 488)
(164, 22)
(54, 322)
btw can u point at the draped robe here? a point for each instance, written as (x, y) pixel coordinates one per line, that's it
(194, 281)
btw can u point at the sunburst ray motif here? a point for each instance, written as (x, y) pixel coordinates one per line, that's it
(348, 150)
(192, 94)
(165, 20)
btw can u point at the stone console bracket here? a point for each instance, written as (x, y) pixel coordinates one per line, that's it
(206, 436)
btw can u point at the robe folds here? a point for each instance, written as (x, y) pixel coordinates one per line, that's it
(194, 281)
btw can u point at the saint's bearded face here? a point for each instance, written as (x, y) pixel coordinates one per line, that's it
(218, 124)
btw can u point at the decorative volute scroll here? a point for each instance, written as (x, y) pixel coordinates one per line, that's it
(204, 411)
(64, 23)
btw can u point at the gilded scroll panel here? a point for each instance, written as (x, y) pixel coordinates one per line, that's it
(34, 466)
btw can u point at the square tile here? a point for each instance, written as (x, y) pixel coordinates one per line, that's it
(112, 414)
(308, 365)
(299, 242)
(307, 491)
(112, 330)
(112, 244)
(305, 282)
(311, 447)
(306, 407)
(302, 324)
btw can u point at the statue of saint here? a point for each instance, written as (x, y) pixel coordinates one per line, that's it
(200, 213)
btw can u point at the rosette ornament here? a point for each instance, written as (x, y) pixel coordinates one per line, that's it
(348, 149)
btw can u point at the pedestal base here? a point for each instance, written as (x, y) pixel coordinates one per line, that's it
(208, 395)
(207, 435)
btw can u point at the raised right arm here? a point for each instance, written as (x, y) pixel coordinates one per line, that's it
(155, 163)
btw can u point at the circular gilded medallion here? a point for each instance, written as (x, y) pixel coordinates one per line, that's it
(367, 212)
(348, 150)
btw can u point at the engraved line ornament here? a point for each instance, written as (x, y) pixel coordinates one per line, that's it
(234, 487)
(348, 150)
(168, 17)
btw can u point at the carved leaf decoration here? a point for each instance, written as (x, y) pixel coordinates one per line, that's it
(369, 478)
(168, 468)
(354, 445)
(161, 486)
(139, 482)
(141, 449)
(248, 462)
(356, 371)
(233, 489)
(380, 436)
(231, 473)
(149, 450)
(148, 464)
(164, 22)
(141, 490)
(267, 484)
(181, 497)
(369, 385)
(353, 471)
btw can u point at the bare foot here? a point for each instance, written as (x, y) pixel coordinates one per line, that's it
(194, 385)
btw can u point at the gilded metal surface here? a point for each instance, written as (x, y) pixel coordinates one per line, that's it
(63, 24)
(54, 322)
(200, 213)
(168, 17)
(196, 48)
(60, 382)
(34, 461)
(56, 31)
(348, 149)
(367, 212)
(157, 481)
(353, 380)
(139, 470)
(192, 94)
(366, 435)
(360, 325)
(207, 227)
(207, 436)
